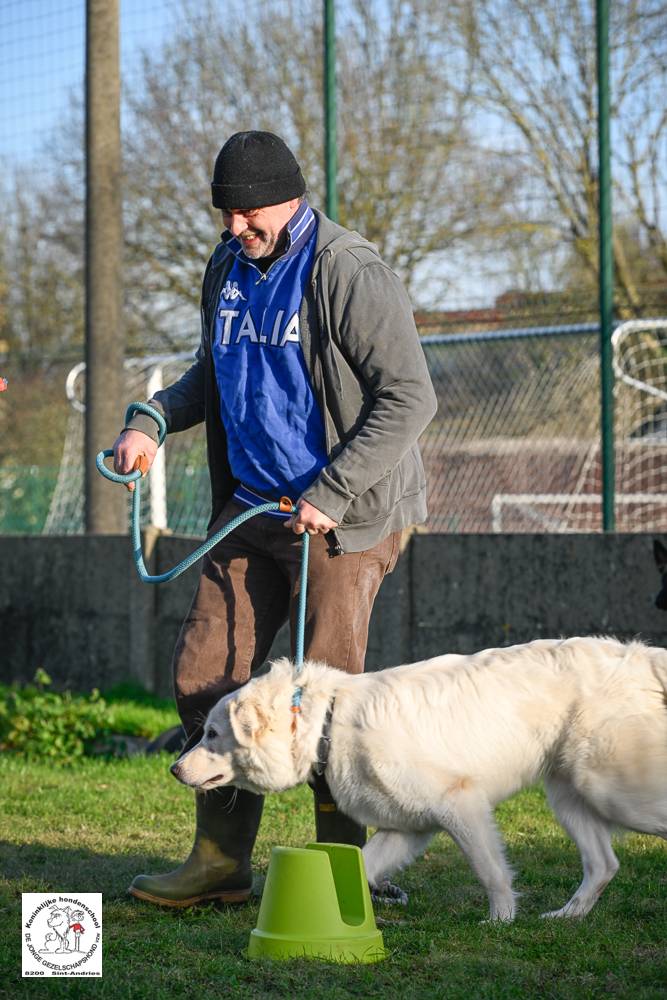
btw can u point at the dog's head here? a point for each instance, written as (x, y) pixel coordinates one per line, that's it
(660, 556)
(59, 920)
(248, 739)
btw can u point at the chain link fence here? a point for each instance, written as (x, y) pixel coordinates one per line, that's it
(514, 447)
(466, 149)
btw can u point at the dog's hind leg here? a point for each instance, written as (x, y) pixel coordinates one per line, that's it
(388, 851)
(592, 835)
(469, 822)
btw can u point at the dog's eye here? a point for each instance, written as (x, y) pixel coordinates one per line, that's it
(211, 733)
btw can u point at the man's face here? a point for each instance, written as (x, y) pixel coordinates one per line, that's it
(260, 230)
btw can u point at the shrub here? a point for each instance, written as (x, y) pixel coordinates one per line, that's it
(40, 723)
(62, 727)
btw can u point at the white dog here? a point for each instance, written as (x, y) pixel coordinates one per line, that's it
(436, 745)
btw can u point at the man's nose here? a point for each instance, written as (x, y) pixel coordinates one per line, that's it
(238, 225)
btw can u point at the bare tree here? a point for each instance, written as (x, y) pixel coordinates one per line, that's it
(534, 72)
(41, 321)
(43, 300)
(409, 179)
(465, 129)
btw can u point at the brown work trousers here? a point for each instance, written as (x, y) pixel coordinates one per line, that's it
(249, 587)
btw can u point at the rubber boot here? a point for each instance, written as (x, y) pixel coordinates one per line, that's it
(219, 864)
(334, 827)
(331, 825)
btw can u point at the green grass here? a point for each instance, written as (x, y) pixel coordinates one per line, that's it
(92, 827)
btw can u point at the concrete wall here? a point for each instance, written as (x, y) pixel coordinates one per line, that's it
(75, 606)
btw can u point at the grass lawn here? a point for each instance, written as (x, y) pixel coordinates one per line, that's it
(92, 827)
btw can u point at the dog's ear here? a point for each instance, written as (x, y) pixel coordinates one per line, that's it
(660, 555)
(248, 721)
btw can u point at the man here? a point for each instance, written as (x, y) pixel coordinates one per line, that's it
(313, 385)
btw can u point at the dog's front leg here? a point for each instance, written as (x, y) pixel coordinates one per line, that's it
(470, 824)
(390, 850)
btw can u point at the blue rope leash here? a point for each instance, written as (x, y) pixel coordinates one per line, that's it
(135, 530)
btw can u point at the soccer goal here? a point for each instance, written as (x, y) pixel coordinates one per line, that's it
(639, 358)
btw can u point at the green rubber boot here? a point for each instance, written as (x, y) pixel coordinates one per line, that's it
(334, 827)
(331, 825)
(219, 864)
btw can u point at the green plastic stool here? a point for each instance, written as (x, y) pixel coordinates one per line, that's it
(316, 904)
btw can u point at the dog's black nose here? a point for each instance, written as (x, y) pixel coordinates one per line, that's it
(176, 769)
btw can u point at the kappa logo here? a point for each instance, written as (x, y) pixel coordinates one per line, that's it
(231, 291)
(62, 935)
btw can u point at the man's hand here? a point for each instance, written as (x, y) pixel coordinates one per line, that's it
(133, 450)
(310, 519)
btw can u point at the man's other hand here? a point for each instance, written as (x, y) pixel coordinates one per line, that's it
(310, 519)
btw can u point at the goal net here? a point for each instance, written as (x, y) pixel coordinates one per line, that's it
(518, 413)
(640, 432)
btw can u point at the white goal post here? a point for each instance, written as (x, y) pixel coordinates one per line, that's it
(632, 357)
(556, 521)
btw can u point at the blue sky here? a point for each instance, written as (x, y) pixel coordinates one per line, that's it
(42, 64)
(42, 61)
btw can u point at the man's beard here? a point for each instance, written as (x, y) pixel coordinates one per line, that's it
(261, 245)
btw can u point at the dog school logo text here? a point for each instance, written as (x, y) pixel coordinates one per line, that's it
(62, 935)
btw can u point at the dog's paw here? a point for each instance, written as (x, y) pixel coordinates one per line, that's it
(387, 892)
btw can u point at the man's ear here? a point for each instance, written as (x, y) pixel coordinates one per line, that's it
(248, 722)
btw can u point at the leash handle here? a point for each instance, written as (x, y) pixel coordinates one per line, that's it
(140, 467)
(115, 477)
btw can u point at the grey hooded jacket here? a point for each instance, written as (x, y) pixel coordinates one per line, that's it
(369, 376)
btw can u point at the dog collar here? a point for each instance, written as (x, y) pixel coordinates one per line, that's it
(324, 743)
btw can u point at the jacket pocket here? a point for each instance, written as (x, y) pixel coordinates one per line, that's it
(376, 502)
(413, 477)
(405, 480)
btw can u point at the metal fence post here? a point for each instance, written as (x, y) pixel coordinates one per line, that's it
(606, 268)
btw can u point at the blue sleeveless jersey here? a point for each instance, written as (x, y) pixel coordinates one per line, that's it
(275, 433)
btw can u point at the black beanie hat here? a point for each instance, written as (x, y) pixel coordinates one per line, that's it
(255, 169)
